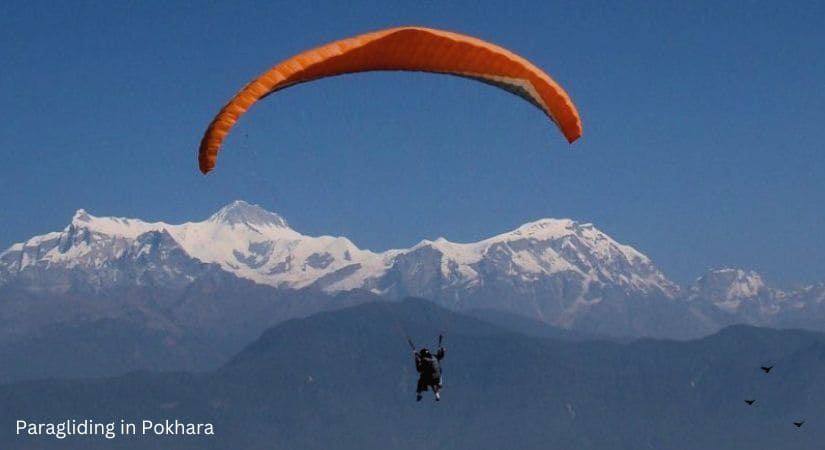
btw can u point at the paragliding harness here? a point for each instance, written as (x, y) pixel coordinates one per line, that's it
(428, 369)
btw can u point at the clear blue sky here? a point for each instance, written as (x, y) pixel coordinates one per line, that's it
(703, 137)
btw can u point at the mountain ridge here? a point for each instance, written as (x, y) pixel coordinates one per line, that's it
(254, 228)
(560, 271)
(345, 379)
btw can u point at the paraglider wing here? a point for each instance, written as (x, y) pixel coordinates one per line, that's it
(404, 48)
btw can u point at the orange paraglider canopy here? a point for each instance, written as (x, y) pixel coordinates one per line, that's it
(403, 48)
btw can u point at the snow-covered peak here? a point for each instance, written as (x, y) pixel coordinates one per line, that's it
(552, 229)
(731, 283)
(81, 216)
(555, 229)
(240, 212)
(242, 238)
(731, 289)
(547, 247)
(546, 229)
(253, 243)
(543, 229)
(113, 226)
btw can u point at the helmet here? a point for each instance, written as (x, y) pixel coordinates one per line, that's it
(424, 353)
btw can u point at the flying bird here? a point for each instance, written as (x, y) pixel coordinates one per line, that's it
(767, 368)
(749, 402)
(799, 424)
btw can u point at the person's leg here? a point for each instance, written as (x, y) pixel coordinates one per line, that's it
(420, 388)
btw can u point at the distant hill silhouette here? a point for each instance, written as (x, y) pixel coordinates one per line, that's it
(345, 380)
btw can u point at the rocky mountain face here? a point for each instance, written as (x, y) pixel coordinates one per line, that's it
(560, 271)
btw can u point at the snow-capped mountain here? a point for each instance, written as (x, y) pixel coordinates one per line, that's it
(241, 239)
(542, 248)
(730, 296)
(555, 269)
(736, 296)
(560, 271)
(259, 245)
(803, 308)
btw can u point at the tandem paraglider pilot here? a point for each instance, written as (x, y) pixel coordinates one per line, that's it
(429, 371)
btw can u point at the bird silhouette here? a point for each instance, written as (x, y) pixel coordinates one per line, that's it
(767, 368)
(799, 424)
(749, 402)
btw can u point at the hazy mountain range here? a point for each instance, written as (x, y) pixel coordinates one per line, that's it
(187, 296)
(560, 271)
(345, 380)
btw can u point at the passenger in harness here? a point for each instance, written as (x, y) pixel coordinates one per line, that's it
(429, 371)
